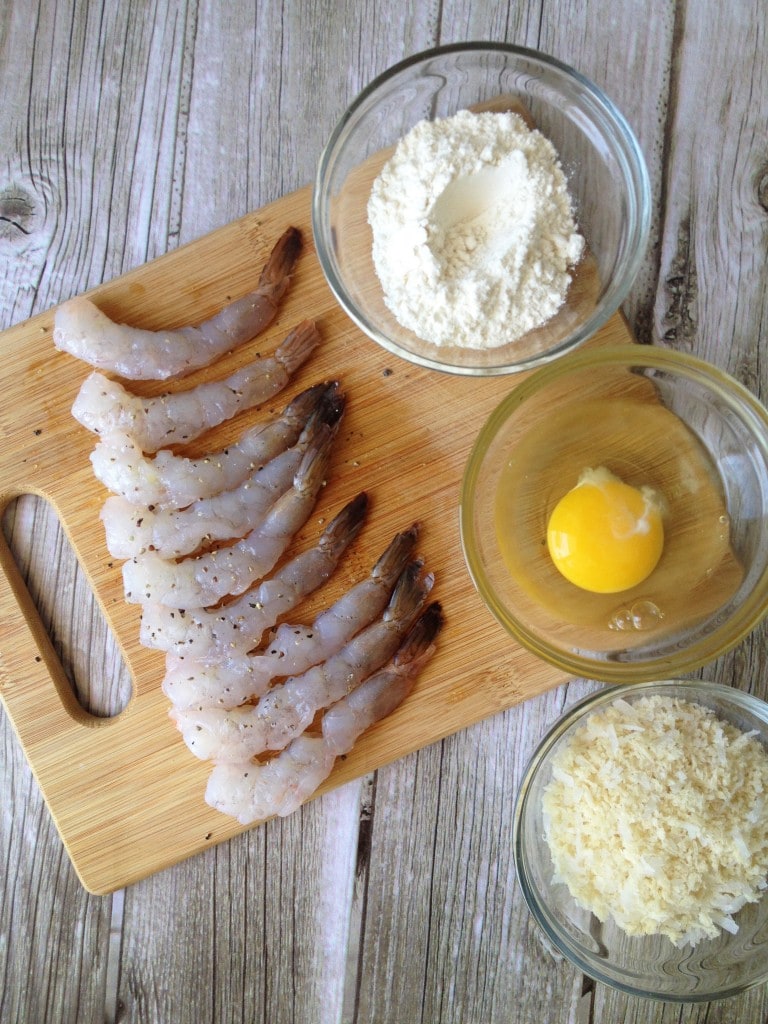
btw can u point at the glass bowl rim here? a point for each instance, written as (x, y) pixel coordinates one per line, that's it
(626, 149)
(748, 615)
(576, 713)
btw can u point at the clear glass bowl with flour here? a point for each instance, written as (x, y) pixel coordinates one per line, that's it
(516, 253)
(474, 238)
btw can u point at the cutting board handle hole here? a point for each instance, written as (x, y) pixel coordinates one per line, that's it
(79, 649)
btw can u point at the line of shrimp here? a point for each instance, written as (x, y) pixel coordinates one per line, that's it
(288, 708)
(132, 530)
(353, 660)
(171, 481)
(254, 792)
(202, 580)
(231, 679)
(104, 406)
(84, 331)
(241, 624)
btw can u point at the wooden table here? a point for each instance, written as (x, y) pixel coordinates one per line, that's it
(130, 129)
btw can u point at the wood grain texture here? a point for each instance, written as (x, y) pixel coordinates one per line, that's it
(131, 129)
(126, 795)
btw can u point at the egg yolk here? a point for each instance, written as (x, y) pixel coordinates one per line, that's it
(604, 535)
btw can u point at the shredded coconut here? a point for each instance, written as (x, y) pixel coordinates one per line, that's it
(655, 816)
(473, 230)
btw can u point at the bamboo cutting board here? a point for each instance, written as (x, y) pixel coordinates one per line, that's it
(126, 795)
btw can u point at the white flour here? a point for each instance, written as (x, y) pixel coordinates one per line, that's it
(473, 230)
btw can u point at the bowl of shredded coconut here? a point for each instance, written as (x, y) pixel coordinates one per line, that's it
(641, 838)
(481, 208)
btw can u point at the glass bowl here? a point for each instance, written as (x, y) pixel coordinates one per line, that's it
(648, 966)
(603, 164)
(652, 417)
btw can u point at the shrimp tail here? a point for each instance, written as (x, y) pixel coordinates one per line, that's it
(409, 594)
(381, 693)
(253, 313)
(327, 412)
(393, 560)
(307, 402)
(418, 644)
(313, 468)
(332, 404)
(297, 347)
(346, 525)
(356, 609)
(276, 275)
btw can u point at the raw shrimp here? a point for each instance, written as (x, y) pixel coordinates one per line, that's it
(103, 405)
(232, 679)
(132, 530)
(239, 625)
(173, 481)
(255, 791)
(84, 331)
(203, 580)
(288, 708)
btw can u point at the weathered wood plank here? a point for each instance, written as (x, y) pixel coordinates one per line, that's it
(627, 51)
(446, 929)
(54, 937)
(270, 914)
(135, 127)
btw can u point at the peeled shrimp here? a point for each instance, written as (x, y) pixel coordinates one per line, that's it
(173, 481)
(203, 580)
(232, 679)
(288, 708)
(240, 625)
(103, 405)
(84, 331)
(253, 792)
(132, 530)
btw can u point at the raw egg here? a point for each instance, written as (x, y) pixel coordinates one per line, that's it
(606, 536)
